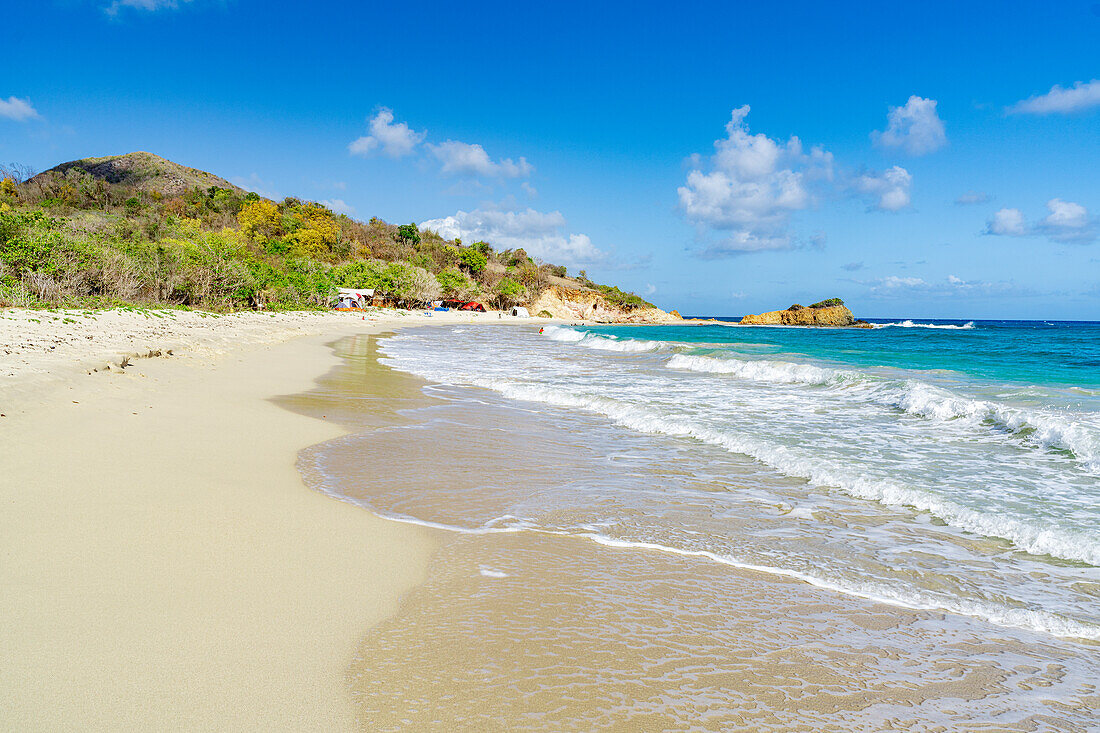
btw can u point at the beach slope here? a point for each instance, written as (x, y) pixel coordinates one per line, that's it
(162, 565)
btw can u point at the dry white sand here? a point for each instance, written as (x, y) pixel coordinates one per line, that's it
(162, 565)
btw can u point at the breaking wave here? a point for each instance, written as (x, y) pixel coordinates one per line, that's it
(603, 343)
(783, 372)
(1041, 428)
(1038, 428)
(1035, 537)
(969, 326)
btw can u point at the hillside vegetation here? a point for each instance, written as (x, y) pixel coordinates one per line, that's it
(139, 229)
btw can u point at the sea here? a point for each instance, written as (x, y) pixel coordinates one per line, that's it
(721, 486)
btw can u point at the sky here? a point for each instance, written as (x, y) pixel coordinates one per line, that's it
(931, 160)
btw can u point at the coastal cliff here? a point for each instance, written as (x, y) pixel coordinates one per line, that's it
(590, 305)
(831, 312)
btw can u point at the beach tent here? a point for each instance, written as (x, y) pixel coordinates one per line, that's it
(354, 297)
(520, 312)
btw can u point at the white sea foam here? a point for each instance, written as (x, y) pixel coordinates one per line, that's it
(1034, 536)
(603, 343)
(1042, 428)
(1020, 618)
(969, 326)
(762, 370)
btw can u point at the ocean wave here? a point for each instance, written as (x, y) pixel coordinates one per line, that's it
(1033, 536)
(969, 326)
(1040, 428)
(603, 343)
(911, 598)
(310, 465)
(761, 370)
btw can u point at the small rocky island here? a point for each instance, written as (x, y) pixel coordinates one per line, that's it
(831, 312)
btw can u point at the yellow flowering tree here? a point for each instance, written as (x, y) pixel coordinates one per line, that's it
(318, 234)
(7, 188)
(259, 219)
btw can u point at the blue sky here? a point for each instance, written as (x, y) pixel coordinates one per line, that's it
(939, 160)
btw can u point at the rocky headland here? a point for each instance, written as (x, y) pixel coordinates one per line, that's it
(590, 305)
(831, 313)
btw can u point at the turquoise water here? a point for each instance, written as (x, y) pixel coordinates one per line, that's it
(1056, 353)
(941, 465)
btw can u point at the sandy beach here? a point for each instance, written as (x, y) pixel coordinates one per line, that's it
(162, 565)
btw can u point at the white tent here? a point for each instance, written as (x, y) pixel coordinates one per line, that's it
(520, 312)
(354, 297)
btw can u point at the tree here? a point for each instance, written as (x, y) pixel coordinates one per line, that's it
(509, 291)
(408, 234)
(454, 283)
(7, 187)
(259, 219)
(483, 247)
(474, 260)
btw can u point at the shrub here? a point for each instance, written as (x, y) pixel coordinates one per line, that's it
(828, 303)
(454, 283)
(473, 260)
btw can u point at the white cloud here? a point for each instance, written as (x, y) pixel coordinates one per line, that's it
(150, 5)
(390, 139)
(20, 110)
(1066, 222)
(339, 206)
(650, 289)
(916, 128)
(1081, 96)
(888, 190)
(1008, 223)
(541, 234)
(951, 286)
(754, 186)
(471, 159)
(972, 197)
(529, 189)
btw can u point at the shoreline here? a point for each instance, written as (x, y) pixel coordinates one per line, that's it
(594, 616)
(164, 565)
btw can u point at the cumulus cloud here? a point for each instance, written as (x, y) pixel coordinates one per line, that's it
(339, 206)
(461, 158)
(885, 191)
(951, 286)
(395, 140)
(1081, 96)
(1007, 223)
(1066, 221)
(753, 187)
(972, 197)
(541, 234)
(916, 128)
(20, 110)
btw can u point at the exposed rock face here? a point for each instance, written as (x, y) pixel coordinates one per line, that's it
(588, 305)
(833, 315)
(145, 171)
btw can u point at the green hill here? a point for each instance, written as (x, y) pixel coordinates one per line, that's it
(143, 172)
(139, 229)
